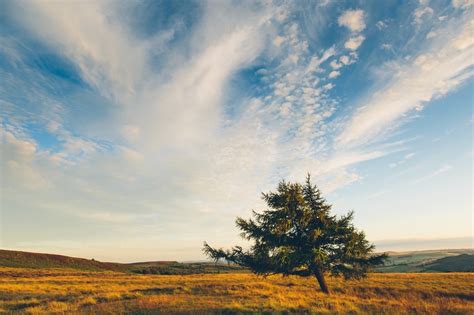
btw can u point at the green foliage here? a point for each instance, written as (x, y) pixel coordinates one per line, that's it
(297, 235)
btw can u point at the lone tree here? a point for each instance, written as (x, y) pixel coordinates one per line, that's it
(297, 235)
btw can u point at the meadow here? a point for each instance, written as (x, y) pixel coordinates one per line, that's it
(28, 290)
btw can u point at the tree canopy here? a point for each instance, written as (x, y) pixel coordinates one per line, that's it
(297, 235)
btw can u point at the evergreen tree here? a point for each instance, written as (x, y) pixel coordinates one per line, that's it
(297, 235)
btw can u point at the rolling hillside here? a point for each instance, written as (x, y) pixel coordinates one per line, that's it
(449, 260)
(460, 260)
(18, 259)
(459, 263)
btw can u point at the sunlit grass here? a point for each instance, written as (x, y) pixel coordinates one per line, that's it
(46, 291)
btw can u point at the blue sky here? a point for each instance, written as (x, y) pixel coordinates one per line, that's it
(137, 130)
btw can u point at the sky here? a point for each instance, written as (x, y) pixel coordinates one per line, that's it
(137, 130)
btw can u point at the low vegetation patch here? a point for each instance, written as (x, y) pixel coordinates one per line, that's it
(176, 268)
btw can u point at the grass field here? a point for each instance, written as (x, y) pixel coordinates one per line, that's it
(61, 290)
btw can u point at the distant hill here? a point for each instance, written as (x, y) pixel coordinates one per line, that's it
(449, 260)
(460, 263)
(10, 258)
(20, 259)
(453, 260)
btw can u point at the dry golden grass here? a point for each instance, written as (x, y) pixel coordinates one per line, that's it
(69, 291)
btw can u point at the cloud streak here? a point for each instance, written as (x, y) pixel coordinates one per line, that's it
(439, 171)
(442, 67)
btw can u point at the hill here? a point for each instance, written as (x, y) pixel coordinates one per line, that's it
(460, 263)
(449, 260)
(18, 259)
(460, 260)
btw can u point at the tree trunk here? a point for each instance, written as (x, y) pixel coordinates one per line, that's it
(322, 282)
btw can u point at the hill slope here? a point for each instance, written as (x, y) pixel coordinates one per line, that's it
(449, 260)
(10, 258)
(18, 259)
(461, 260)
(460, 263)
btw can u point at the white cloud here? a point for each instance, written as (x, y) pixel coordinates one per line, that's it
(353, 20)
(328, 86)
(421, 12)
(443, 67)
(354, 42)
(172, 127)
(107, 57)
(25, 149)
(439, 171)
(340, 179)
(407, 157)
(334, 74)
(324, 3)
(179, 156)
(278, 41)
(53, 126)
(431, 35)
(315, 61)
(345, 60)
(464, 4)
(381, 25)
(74, 146)
(18, 164)
(335, 65)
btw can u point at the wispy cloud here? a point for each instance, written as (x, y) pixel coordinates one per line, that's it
(439, 171)
(421, 13)
(107, 56)
(175, 126)
(407, 157)
(464, 4)
(437, 70)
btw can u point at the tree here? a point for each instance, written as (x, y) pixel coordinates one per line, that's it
(297, 235)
